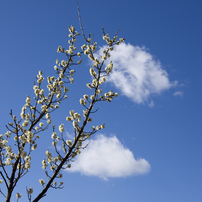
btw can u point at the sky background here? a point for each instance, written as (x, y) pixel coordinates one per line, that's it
(150, 150)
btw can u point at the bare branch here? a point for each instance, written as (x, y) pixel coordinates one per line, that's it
(80, 22)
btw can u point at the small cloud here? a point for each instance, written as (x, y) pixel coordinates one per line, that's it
(106, 157)
(151, 104)
(136, 73)
(178, 93)
(69, 136)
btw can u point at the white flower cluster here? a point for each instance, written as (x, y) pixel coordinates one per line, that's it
(74, 116)
(89, 49)
(99, 78)
(28, 101)
(44, 164)
(109, 68)
(83, 101)
(56, 86)
(54, 135)
(7, 153)
(49, 157)
(73, 34)
(111, 41)
(40, 77)
(27, 164)
(109, 96)
(29, 136)
(61, 128)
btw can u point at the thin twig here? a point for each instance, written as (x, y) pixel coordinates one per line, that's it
(80, 22)
(2, 193)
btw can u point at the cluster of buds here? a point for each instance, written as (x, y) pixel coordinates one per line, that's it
(83, 101)
(44, 164)
(61, 128)
(89, 49)
(7, 154)
(3, 141)
(29, 137)
(109, 68)
(40, 77)
(102, 126)
(109, 96)
(110, 41)
(49, 156)
(23, 113)
(28, 101)
(74, 116)
(27, 164)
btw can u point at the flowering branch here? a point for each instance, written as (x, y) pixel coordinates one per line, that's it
(15, 161)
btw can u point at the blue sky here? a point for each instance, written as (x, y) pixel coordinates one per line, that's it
(150, 150)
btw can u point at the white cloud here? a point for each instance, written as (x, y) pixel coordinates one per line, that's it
(69, 136)
(178, 93)
(106, 157)
(136, 73)
(151, 104)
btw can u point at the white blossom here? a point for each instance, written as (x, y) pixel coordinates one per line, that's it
(82, 101)
(54, 135)
(41, 124)
(61, 128)
(69, 142)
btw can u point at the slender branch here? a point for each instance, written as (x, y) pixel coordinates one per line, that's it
(2, 165)
(4, 179)
(2, 193)
(80, 22)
